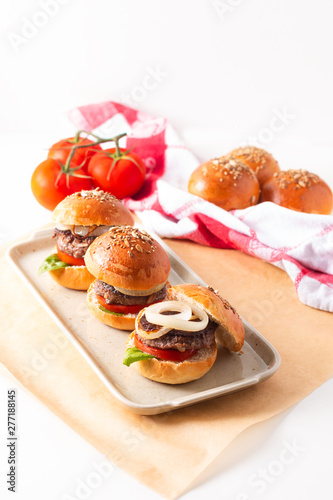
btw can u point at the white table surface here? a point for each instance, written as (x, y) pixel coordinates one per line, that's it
(289, 456)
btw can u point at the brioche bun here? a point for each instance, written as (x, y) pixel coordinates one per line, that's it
(172, 372)
(260, 161)
(87, 208)
(299, 190)
(126, 257)
(230, 332)
(75, 277)
(122, 322)
(226, 182)
(95, 207)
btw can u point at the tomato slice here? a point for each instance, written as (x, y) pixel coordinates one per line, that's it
(119, 308)
(165, 354)
(69, 259)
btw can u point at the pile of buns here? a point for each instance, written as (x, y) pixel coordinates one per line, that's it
(250, 175)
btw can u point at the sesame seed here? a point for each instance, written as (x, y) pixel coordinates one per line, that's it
(129, 238)
(298, 178)
(230, 166)
(97, 193)
(258, 158)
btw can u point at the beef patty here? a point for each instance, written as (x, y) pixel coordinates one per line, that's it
(178, 339)
(113, 296)
(72, 244)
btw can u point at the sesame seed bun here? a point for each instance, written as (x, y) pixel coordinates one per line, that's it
(230, 332)
(126, 257)
(226, 182)
(122, 322)
(87, 208)
(95, 207)
(260, 161)
(175, 372)
(299, 190)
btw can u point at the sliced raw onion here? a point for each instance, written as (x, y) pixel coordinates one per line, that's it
(151, 334)
(64, 227)
(100, 230)
(140, 293)
(182, 312)
(83, 230)
(154, 334)
(177, 321)
(90, 230)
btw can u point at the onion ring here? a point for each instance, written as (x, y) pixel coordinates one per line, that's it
(154, 316)
(150, 334)
(179, 321)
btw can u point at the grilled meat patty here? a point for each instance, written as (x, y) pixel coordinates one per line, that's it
(113, 296)
(72, 244)
(178, 339)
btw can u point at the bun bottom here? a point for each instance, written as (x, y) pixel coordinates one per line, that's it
(123, 322)
(171, 372)
(75, 277)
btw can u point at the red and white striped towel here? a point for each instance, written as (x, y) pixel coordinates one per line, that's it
(301, 244)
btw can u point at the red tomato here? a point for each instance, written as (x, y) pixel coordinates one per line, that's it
(50, 186)
(61, 150)
(118, 308)
(121, 175)
(69, 259)
(165, 354)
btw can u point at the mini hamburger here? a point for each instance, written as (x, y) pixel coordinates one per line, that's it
(131, 271)
(79, 219)
(175, 342)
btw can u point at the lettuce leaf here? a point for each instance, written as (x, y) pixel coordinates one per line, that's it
(51, 263)
(134, 354)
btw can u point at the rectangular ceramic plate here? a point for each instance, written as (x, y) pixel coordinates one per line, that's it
(103, 347)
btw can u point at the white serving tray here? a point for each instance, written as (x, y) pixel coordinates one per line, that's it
(103, 347)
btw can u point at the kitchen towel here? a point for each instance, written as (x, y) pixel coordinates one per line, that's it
(301, 244)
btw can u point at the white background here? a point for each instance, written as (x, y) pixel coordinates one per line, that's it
(222, 72)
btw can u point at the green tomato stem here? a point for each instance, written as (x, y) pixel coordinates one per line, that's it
(66, 168)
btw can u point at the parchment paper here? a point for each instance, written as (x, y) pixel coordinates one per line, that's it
(152, 448)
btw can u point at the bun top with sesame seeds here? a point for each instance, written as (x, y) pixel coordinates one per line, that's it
(226, 182)
(94, 207)
(129, 258)
(299, 190)
(260, 161)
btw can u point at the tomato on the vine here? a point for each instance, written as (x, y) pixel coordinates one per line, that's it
(50, 184)
(62, 149)
(118, 171)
